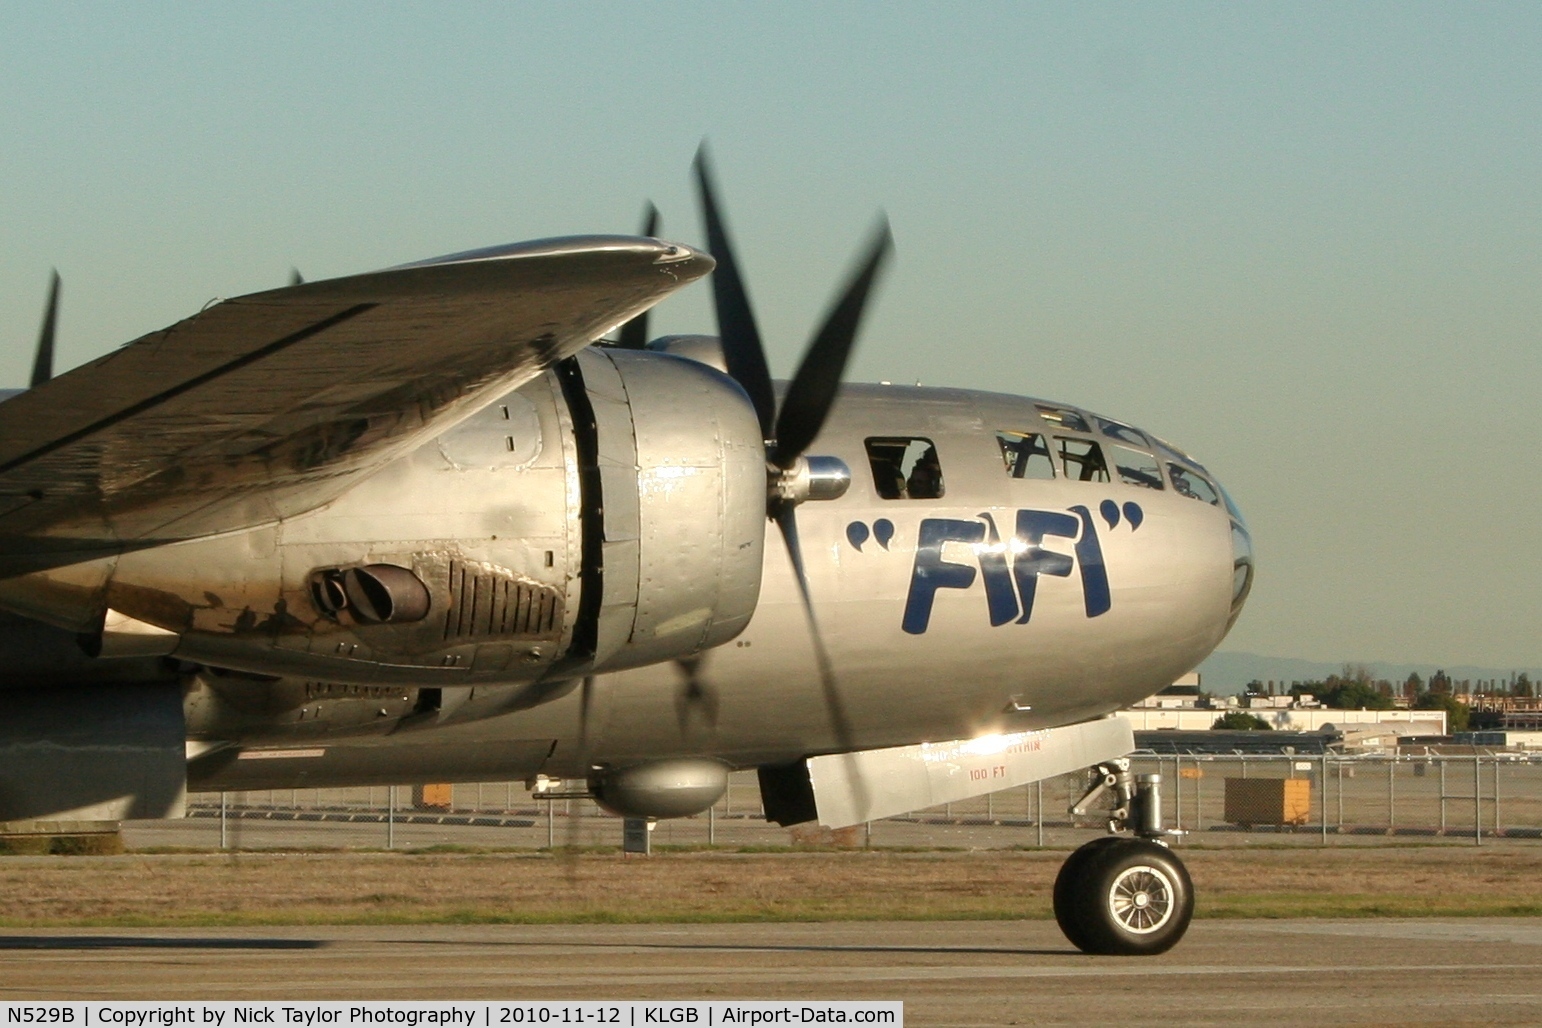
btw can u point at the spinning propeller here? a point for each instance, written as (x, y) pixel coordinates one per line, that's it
(43, 359)
(43, 356)
(805, 405)
(788, 431)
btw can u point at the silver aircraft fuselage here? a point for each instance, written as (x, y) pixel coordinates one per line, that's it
(1170, 570)
(411, 526)
(987, 603)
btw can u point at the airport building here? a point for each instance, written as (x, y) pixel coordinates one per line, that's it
(1183, 707)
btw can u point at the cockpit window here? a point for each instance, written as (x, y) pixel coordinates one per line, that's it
(1064, 417)
(1081, 460)
(905, 467)
(1171, 452)
(1231, 506)
(1136, 467)
(1123, 433)
(1026, 455)
(1190, 483)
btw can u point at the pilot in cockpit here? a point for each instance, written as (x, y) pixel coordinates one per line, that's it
(925, 482)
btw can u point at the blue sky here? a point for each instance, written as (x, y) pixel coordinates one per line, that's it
(1300, 240)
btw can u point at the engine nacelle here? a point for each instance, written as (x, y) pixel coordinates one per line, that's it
(661, 788)
(684, 476)
(609, 514)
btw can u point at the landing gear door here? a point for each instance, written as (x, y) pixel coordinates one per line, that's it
(865, 786)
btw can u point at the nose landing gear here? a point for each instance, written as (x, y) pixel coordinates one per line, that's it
(1120, 895)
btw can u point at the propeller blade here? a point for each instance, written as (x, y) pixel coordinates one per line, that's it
(786, 520)
(43, 361)
(570, 848)
(295, 278)
(812, 393)
(585, 702)
(696, 697)
(742, 349)
(634, 334)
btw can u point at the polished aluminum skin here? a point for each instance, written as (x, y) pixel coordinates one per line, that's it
(494, 518)
(1172, 591)
(447, 548)
(405, 527)
(262, 407)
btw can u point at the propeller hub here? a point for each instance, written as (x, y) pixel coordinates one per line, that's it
(809, 478)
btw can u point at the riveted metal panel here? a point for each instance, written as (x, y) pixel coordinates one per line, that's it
(701, 485)
(616, 458)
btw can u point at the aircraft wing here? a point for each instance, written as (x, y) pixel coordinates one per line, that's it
(268, 405)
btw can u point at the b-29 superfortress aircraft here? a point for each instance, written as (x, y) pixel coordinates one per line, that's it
(419, 525)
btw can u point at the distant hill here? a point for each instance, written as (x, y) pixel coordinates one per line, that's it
(1228, 672)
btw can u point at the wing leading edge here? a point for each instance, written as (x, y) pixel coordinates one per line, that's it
(268, 405)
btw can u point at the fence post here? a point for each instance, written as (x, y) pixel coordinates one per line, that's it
(1496, 797)
(1322, 798)
(390, 817)
(1038, 811)
(1392, 794)
(224, 841)
(1477, 801)
(1442, 795)
(712, 825)
(1199, 797)
(1339, 767)
(1178, 792)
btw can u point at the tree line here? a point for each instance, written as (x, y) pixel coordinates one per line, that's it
(1357, 688)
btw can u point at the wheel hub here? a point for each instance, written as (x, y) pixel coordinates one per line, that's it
(1141, 899)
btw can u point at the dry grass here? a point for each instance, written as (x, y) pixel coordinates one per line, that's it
(366, 888)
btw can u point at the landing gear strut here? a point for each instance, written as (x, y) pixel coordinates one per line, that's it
(1121, 894)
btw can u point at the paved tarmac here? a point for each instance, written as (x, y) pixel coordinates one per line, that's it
(1316, 972)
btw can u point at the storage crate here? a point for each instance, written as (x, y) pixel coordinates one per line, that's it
(433, 797)
(1268, 801)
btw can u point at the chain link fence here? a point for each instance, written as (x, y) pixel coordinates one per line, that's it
(1329, 800)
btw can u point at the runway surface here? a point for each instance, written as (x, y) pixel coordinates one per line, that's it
(947, 973)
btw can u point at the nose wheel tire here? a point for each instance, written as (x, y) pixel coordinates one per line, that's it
(1068, 885)
(1118, 896)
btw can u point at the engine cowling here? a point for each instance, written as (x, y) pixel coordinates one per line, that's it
(684, 488)
(607, 515)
